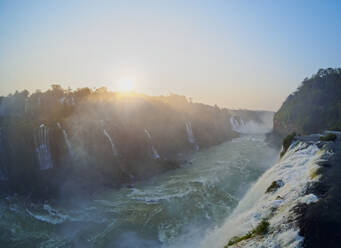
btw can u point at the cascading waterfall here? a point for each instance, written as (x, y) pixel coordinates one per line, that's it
(240, 126)
(237, 125)
(148, 134)
(42, 144)
(113, 147)
(154, 151)
(292, 174)
(171, 210)
(2, 158)
(190, 136)
(66, 139)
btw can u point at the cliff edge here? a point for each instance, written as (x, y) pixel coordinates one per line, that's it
(296, 203)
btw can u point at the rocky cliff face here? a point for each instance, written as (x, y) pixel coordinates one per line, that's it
(314, 107)
(60, 141)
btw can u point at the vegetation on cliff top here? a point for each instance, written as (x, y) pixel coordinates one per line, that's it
(287, 142)
(314, 107)
(260, 229)
(274, 186)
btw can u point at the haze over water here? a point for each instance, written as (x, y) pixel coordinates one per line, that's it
(175, 209)
(158, 124)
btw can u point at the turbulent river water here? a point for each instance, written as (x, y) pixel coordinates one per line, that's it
(175, 209)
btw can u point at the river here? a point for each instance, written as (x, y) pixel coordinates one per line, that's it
(175, 209)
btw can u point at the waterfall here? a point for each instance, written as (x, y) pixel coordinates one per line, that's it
(240, 126)
(66, 139)
(291, 175)
(113, 147)
(154, 151)
(42, 144)
(2, 159)
(148, 134)
(190, 136)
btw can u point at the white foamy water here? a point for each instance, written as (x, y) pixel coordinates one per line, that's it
(42, 144)
(175, 209)
(113, 146)
(190, 135)
(155, 154)
(66, 139)
(240, 126)
(294, 172)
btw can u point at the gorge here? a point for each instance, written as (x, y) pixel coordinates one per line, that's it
(118, 171)
(91, 139)
(174, 209)
(104, 169)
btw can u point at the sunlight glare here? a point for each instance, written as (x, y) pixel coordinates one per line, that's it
(125, 85)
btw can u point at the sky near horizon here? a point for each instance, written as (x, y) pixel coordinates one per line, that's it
(236, 54)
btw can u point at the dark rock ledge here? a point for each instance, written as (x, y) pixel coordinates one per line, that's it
(320, 222)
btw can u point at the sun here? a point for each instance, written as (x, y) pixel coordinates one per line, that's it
(125, 85)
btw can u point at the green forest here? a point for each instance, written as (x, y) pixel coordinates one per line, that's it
(314, 107)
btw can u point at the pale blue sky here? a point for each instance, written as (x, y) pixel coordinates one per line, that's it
(237, 54)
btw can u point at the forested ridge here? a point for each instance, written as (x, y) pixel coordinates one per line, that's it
(314, 107)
